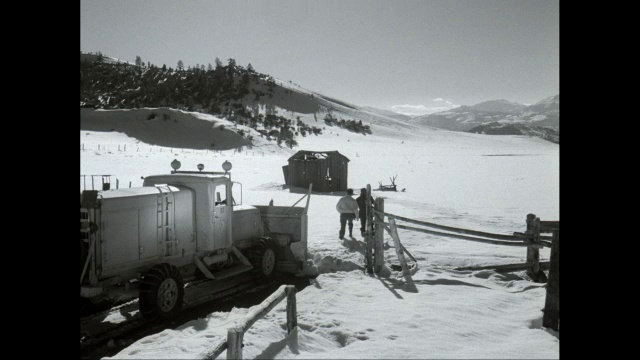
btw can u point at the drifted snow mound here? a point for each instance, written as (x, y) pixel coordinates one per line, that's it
(310, 269)
(170, 128)
(385, 271)
(328, 264)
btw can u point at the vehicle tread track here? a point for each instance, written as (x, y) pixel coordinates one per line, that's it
(102, 314)
(96, 340)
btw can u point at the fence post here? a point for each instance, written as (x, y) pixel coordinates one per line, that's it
(551, 317)
(379, 236)
(234, 343)
(398, 247)
(533, 254)
(292, 319)
(369, 233)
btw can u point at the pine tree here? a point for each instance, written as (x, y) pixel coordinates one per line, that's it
(232, 65)
(250, 68)
(138, 61)
(180, 65)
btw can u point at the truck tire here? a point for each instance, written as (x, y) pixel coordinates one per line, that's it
(264, 258)
(161, 292)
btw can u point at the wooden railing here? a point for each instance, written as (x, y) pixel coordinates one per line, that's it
(531, 239)
(233, 343)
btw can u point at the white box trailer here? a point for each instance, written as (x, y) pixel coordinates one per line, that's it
(180, 227)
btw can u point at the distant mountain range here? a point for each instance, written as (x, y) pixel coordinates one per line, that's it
(501, 117)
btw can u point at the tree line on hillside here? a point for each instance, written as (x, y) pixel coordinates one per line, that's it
(351, 125)
(121, 85)
(222, 90)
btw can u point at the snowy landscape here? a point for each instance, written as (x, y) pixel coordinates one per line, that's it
(472, 181)
(453, 104)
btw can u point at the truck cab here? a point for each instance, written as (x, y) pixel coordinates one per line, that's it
(180, 227)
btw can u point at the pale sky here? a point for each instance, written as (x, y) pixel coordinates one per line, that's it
(404, 54)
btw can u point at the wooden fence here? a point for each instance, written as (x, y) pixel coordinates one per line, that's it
(531, 239)
(233, 343)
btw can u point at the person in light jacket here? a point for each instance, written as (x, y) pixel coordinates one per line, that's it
(348, 209)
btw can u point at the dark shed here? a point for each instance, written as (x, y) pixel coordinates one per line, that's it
(327, 170)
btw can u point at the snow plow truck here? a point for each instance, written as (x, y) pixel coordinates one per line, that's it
(180, 227)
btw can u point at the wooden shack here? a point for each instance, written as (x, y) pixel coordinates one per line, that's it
(327, 170)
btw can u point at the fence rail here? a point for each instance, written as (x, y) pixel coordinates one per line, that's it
(514, 237)
(233, 343)
(454, 229)
(470, 238)
(531, 239)
(506, 267)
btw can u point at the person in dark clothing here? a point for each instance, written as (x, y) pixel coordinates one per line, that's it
(362, 209)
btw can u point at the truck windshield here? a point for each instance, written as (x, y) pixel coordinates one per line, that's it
(221, 195)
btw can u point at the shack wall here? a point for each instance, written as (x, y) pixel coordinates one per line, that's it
(301, 173)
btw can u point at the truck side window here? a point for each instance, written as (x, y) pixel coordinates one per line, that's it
(221, 195)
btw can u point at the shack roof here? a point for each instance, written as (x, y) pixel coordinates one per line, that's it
(300, 155)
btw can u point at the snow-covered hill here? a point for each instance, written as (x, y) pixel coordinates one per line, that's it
(459, 179)
(105, 59)
(388, 113)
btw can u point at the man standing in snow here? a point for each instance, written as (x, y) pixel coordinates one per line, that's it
(348, 209)
(362, 205)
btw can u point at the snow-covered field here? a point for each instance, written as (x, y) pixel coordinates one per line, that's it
(486, 183)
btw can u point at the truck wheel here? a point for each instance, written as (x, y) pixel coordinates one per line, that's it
(161, 292)
(263, 257)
